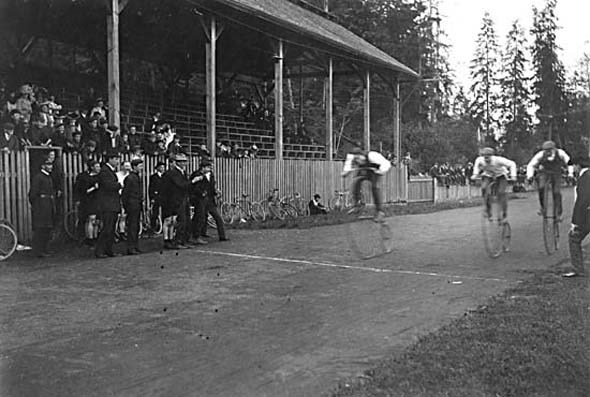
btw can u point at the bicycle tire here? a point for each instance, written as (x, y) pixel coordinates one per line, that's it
(226, 213)
(8, 240)
(370, 239)
(211, 221)
(257, 212)
(71, 225)
(290, 211)
(493, 229)
(335, 204)
(550, 227)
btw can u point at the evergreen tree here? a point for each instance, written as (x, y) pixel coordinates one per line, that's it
(515, 96)
(484, 72)
(549, 75)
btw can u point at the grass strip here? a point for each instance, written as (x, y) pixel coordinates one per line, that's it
(533, 340)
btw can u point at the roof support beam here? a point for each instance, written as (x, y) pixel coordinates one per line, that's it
(397, 138)
(279, 100)
(367, 111)
(114, 90)
(329, 93)
(210, 76)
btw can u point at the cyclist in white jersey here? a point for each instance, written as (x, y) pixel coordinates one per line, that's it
(494, 168)
(549, 162)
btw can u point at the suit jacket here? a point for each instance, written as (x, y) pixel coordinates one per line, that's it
(132, 195)
(203, 189)
(155, 186)
(12, 143)
(42, 199)
(581, 217)
(174, 192)
(108, 190)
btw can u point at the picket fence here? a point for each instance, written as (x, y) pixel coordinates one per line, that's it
(255, 177)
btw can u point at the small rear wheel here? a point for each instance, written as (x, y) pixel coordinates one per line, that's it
(8, 240)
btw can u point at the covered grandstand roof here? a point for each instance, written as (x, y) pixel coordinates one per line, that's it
(304, 25)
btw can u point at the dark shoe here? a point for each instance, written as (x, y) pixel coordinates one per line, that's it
(170, 246)
(113, 255)
(224, 239)
(200, 241)
(182, 245)
(101, 256)
(133, 252)
(205, 235)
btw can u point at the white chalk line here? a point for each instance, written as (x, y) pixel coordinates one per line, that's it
(349, 267)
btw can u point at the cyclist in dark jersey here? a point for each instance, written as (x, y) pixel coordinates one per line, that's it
(549, 163)
(367, 166)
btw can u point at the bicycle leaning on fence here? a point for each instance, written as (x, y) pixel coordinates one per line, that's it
(242, 210)
(8, 239)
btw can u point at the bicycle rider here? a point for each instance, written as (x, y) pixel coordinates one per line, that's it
(494, 168)
(549, 162)
(367, 166)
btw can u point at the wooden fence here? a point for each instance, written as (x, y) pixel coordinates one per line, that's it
(255, 177)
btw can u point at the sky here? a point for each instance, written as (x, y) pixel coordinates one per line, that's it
(462, 20)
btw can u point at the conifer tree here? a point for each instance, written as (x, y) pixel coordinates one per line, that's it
(484, 88)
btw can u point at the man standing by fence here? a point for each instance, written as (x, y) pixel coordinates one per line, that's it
(110, 206)
(42, 199)
(132, 198)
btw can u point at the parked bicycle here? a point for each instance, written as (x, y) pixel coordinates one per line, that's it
(8, 239)
(342, 200)
(243, 210)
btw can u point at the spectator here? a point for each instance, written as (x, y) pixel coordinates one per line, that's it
(136, 152)
(150, 145)
(71, 126)
(175, 147)
(205, 204)
(175, 209)
(155, 122)
(134, 137)
(75, 145)
(91, 132)
(24, 103)
(132, 199)
(99, 109)
(89, 152)
(316, 207)
(8, 141)
(38, 134)
(253, 151)
(42, 199)
(59, 136)
(160, 149)
(237, 151)
(111, 139)
(86, 198)
(154, 190)
(45, 117)
(108, 193)
(124, 144)
(19, 128)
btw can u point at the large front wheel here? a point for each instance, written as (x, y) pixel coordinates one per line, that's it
(550, 224)
(8, 240)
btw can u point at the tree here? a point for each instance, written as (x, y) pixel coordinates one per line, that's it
(484, 71)
(515, 97)
(549, 75)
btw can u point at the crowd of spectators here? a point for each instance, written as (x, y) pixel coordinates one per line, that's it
(447, 174)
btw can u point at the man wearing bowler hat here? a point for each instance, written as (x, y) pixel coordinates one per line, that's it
(175, 208)
(42, 199)
(132, 198)
(110, 205)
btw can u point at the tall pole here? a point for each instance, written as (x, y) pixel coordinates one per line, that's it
(397, 138)
(210, 55)
(113, 79)
(367, 112)
(329, 93)
(279, 101)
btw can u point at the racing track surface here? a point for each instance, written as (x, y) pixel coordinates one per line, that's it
(269, 313)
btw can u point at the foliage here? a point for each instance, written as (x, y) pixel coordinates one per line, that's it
(484, 74)
(515, 98)
(549, 74)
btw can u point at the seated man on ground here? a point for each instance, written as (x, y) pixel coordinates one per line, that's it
(316, 207)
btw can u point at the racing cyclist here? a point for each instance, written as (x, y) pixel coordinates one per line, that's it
(549, 163)
(494, 168)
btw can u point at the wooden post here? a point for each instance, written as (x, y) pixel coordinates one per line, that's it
(397, 138)
(211, 52)
(367, 114)
(279, 101)
(329, 93)
(114, 90)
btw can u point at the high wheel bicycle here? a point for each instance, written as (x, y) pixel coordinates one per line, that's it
(8, 240)
(495, 229)
(72, 225)
(550, 220)
(369, 238)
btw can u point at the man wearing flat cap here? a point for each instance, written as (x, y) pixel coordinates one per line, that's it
(175, 206)
(548, 162)
(581, 216)
(132, 198)
(43, 210)
(8, 141)
(110, 205)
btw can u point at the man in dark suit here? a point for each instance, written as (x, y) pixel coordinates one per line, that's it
(315, 206)
(154, 189)
(175, 208)
(580, 217)
(205, 195)
(110, 205)
(132, 198)
(8, 141)
(42, 199)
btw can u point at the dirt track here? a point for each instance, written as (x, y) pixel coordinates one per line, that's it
(270, 313)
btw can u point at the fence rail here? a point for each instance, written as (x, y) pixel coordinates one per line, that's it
(255, 177)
